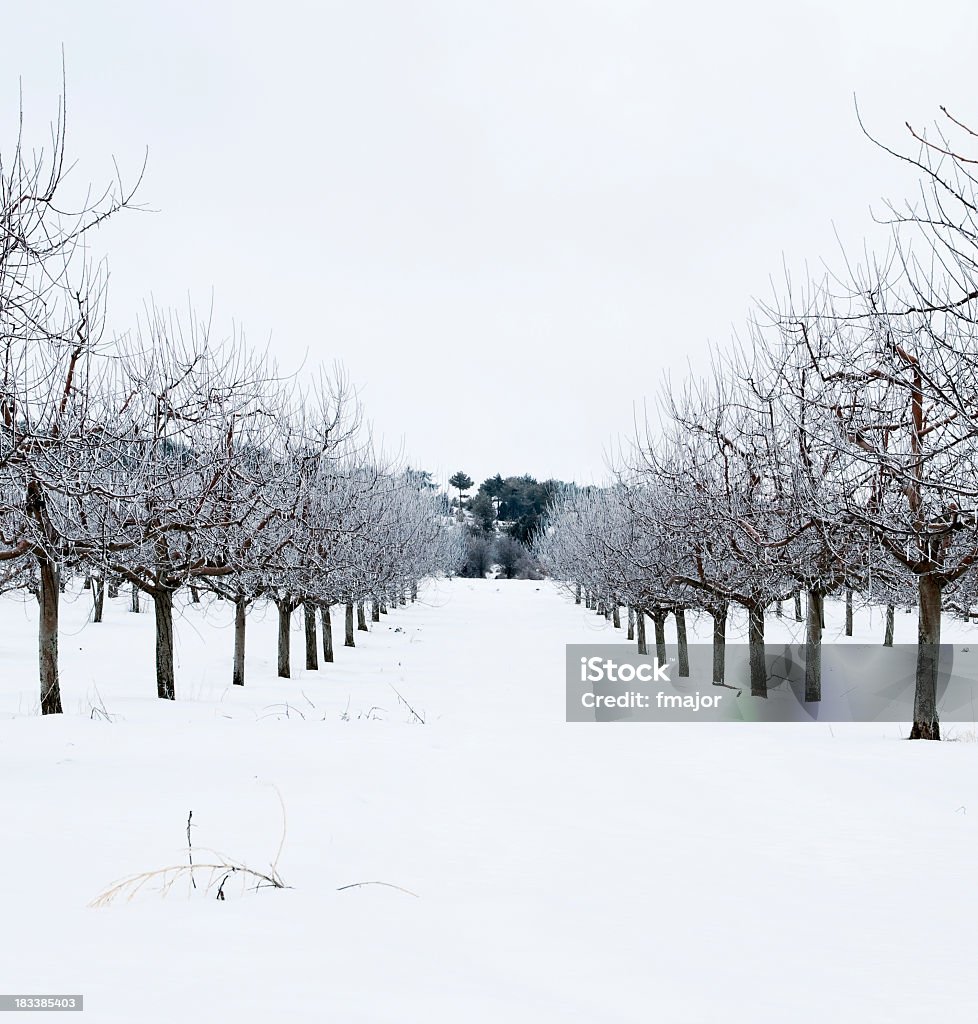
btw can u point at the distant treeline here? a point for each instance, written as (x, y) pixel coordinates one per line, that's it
(502, 519)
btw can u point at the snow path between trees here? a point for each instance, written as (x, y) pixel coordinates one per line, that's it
(563, 872)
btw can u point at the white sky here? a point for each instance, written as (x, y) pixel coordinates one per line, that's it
(506, 219)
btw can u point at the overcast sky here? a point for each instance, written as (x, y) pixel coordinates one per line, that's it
(506, 219)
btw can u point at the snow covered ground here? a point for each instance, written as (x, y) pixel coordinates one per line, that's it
(592, 873)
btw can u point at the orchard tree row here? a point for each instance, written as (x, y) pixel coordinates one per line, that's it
(832, 448)
(170, 458)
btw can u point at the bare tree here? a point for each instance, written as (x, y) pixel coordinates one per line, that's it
(55, 448)
(721, 502)
(907, 426)
(198, 411)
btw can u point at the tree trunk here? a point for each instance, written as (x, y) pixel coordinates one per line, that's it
(797, 606)
(755, 641)
(194, 594)
(238, 674)
(312, 654)
(134, 605)
(362, 617)
(616, 615)
(848, 611)
(98, 597)
(348, 640)
(888, 636)
(643, 647)
(285, 609)
(631, 623)
(113, 587)
(383, 607)
(659, 620)
(414, 591)
(925, 721)
(577, 593)
(681, 641)
(813, 647)
(163, 607)
(375, 610)
(778, 609)
(49, 596)
(327, 622)
(719, 644)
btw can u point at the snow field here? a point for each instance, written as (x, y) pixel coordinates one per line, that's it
(592, 873)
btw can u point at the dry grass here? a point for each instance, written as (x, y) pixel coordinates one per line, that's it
(216, 873)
